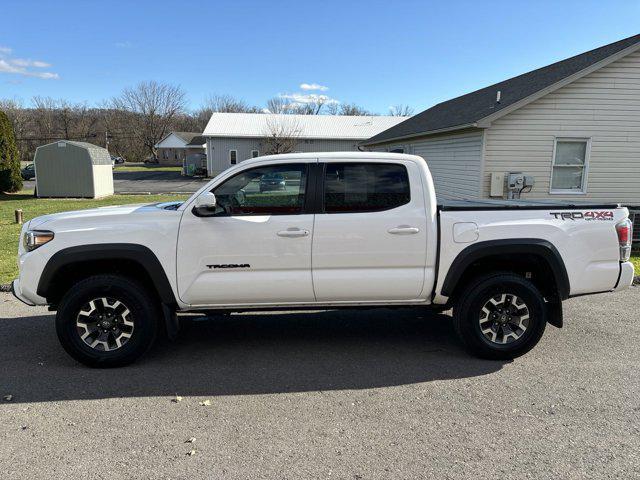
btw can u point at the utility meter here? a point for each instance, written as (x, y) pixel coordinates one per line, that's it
(518, 183)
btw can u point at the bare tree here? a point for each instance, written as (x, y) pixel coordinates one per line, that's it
(353, 109)
(400, 110)
(229, 104)
(76, 121)
(45, 116)
(222, 104)
(278, 105)
(281, 135)
(308, 108)
(333, 108)
(155, 106)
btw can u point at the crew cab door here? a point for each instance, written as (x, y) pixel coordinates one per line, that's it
(256, 248)
(370, 239)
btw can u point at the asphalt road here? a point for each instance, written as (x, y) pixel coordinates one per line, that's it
(354, 394)
(148, 182)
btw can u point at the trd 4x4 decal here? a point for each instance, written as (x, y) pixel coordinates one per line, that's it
(604, 215)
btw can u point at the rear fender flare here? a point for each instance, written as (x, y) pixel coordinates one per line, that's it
(526, 246)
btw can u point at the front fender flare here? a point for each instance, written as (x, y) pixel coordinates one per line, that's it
(108, 251)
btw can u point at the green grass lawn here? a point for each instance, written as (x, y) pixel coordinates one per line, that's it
(140, 168)
(635, 259)
(34, 207)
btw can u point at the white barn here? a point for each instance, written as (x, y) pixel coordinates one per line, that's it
(234, 137)
(573, 125)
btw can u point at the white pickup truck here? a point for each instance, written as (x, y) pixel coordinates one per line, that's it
(319, 231)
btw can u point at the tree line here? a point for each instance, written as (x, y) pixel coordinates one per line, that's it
(132, 123)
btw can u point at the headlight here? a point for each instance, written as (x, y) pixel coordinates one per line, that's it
(36, 238)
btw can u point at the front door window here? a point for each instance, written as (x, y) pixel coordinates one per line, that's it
(273, 190)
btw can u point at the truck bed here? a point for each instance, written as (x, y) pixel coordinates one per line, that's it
(488, 204)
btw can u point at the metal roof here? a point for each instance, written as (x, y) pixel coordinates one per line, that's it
(97, 154)
(306, 126)
(473, 107)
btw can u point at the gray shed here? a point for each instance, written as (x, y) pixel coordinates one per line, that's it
(73, 169)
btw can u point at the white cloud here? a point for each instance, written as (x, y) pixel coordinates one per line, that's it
(22, 66)
(305, 98)
(125, 44)
(313, 86)
(21, 62)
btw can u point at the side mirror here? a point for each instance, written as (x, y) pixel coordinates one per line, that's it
(205, 205)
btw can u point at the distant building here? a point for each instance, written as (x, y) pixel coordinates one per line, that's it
(73, 169)
(234, 137)
(574, 126)
(174, 147)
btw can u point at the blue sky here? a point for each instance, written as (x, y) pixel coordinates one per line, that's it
(375, 54)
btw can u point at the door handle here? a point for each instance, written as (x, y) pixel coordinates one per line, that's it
(403, 230)
(293, 232)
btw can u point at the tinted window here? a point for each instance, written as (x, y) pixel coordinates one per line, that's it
(364, 187)
(274, 190)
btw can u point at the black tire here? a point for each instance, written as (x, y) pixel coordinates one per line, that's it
(143, 316)
(470, 319)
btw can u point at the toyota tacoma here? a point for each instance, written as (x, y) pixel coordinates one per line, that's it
(342, 230)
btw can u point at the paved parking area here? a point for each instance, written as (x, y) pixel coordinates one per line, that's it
(155, 182)
(148, 182)
(353, 394)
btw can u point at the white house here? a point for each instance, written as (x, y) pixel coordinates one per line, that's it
(175, 146)
(573, 125)
(233, 137)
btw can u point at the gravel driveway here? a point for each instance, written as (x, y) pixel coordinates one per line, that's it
(353, 394)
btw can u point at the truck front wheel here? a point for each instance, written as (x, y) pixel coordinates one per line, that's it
(107, 321)
(500, 316)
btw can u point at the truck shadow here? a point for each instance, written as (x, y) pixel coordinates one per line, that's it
(253, 353)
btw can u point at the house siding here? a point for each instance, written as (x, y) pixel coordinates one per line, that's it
(218, 149)
(603, 106)
(453, 159)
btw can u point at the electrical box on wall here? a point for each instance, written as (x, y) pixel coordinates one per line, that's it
(497, 185)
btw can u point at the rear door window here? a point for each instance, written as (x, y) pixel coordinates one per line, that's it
(365, 187)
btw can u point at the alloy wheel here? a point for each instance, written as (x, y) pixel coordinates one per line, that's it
(104, 324)
(504, 318)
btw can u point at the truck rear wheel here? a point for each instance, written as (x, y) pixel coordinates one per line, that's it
(500, 316)
(107, 321)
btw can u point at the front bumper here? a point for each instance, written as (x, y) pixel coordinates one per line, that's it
(17, 292)
(626, 276)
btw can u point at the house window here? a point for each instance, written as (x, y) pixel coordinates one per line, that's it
(233, 157)
(255, 153)
(570, 165)
(397, 150)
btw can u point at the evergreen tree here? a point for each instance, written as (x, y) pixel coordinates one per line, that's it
(10, 178)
